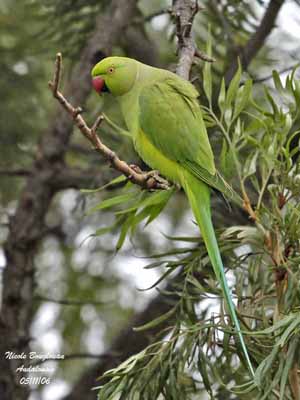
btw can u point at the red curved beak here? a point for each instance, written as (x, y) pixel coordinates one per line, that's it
(98, 84)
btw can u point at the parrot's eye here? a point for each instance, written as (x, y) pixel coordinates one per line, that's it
(111, 70)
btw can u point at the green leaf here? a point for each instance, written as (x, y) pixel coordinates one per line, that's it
(139, 217)
(242, 98)
(222, 97)
(154, 212)
(271, 101)
(160, 196)
(115, 181)
(156, 321)
(265, 366)
(226, 160)
(125, 228)
(140, 197)
(113, 201)
(290, 356)
(250, 165)
(196, 283)
(207, 77)
(274, 382)
(233, 87)
(104, 230)
(278, 325)
(127, 364)
(160, 279)
(289, 331)
(277, 82)
(202, 367)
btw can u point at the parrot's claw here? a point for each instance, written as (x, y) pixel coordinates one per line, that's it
(136, 168)
(152, 179)
(159, 182)
(152, 174)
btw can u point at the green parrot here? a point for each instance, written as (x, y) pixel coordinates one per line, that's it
(165, 121)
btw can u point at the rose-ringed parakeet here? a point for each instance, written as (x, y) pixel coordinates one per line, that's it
(163, 115)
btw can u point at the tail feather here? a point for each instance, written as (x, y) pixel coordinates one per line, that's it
(198, 194)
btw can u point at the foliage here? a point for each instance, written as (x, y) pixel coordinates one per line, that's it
(70, 23)
(134, 206)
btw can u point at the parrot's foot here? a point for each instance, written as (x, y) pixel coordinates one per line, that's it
(153, 177)
(136, 168)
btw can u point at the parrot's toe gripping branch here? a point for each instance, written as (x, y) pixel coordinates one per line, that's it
(141, 178)
(154, 178)
(136, 168)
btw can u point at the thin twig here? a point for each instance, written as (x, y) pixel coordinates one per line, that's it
(270, 76)
(15, 172)
(203, 56)
(257, 40)
(66, 302)
(143, 179)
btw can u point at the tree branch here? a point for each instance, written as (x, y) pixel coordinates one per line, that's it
(79, 178)
(67, 302)
(257, 40)
(270, 76)
(183, 13)
(19, 172)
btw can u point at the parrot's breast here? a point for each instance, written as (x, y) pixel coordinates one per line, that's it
(155, 159)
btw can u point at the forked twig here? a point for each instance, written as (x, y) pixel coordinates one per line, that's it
(143, 179)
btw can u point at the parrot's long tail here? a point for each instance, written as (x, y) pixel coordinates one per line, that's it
(198, 194)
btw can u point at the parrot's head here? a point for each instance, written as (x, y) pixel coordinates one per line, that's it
(115, 75)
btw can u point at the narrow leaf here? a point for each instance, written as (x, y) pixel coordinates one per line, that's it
(156, 321)
(207, 78)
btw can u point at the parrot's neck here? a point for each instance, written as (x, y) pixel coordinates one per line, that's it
(146, 75)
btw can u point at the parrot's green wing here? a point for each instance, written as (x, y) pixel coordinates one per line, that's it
(216, 181)
(171, 118)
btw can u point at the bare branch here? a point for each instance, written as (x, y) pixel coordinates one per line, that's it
(270, 76)
(15, 172)
(145, 180)
(57, 73)
(257, 40)
(184, 12)
(56, 231)
(67, 302)
(204, 56)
